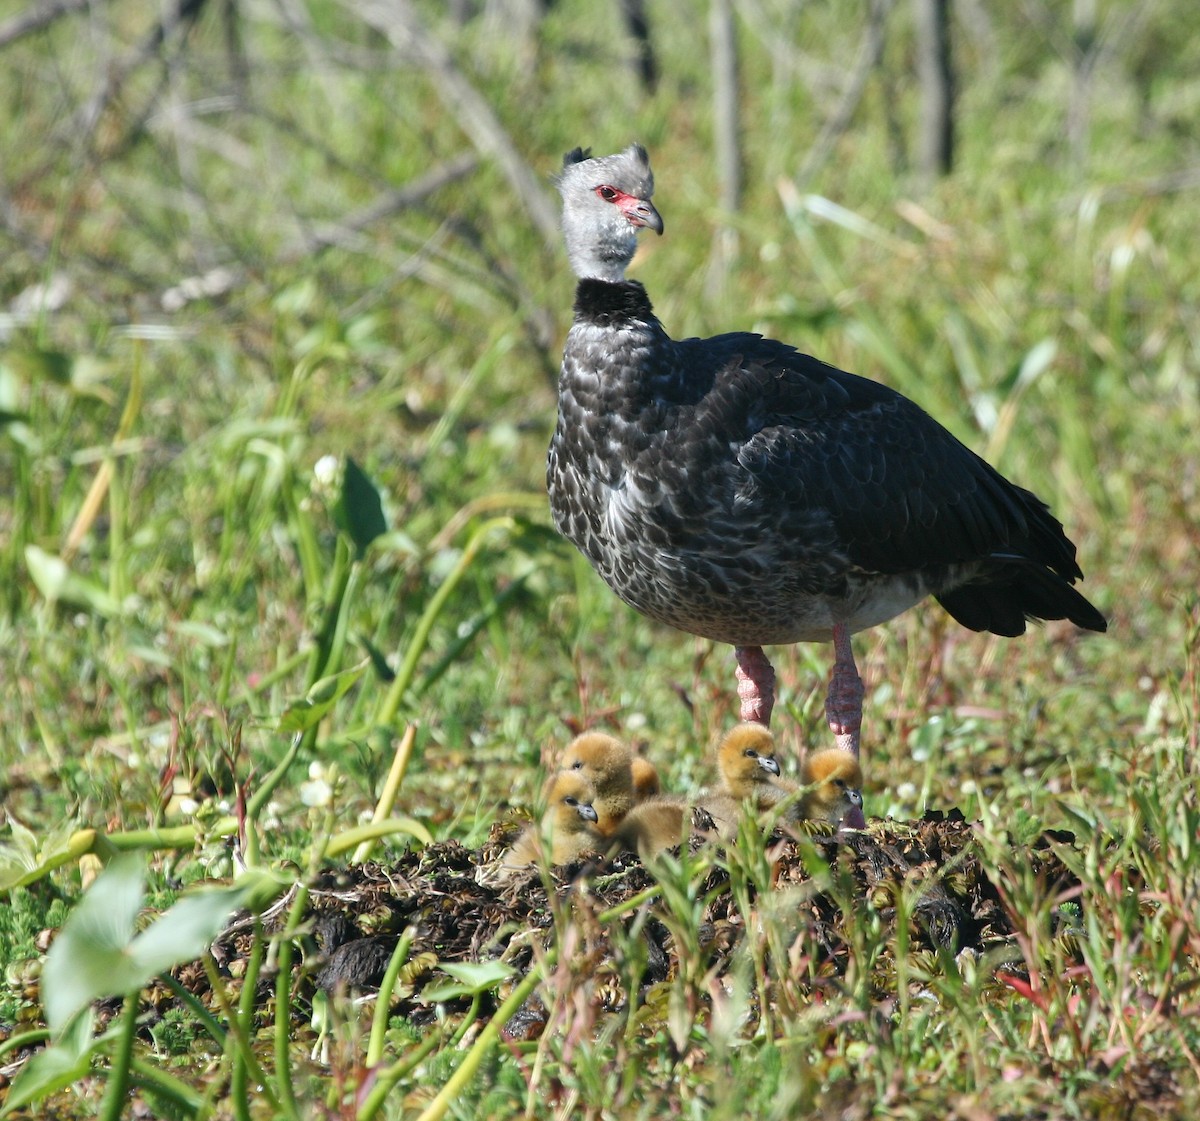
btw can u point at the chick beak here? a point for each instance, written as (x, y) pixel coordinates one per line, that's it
(854, 818)
(588, 813)
(768, 763)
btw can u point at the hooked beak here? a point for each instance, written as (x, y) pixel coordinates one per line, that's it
(587, 812)
(768, 763)
(641, 213)
(854, 818)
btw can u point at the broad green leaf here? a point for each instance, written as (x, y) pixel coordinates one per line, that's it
(186, 930)
(359, 509)
(469, 978)
(56, 1067)
(301, 715)
(99, 952)
(56, 582)
(88, 959)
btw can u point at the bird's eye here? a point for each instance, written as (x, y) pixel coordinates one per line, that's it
(571, 801)
(607, 193)
(751, 753)
(840, 783)
(577, 765)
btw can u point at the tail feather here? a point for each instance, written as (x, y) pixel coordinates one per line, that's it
(1005, 596)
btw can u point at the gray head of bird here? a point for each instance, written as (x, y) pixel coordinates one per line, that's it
(606, 200)
(836, 779)
(569, 798)
(746, 759)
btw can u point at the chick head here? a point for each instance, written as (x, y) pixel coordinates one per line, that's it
(569, 798)
(608, 765)
(746, 759)
(836, 796)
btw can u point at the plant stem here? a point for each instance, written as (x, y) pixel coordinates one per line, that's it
(391, 789)
(420, 639)
(383, 1000)
(483, 1046)
(118, 1076)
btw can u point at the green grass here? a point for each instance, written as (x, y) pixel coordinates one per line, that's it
(176, 574)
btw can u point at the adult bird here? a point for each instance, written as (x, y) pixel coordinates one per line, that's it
(738, 489)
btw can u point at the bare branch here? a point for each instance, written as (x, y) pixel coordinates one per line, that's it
(404, 30)
(37, 17)
(722, 35)
(935, 75)
(870, 50)
(387, 204)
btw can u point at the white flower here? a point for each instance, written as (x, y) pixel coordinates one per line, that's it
(325, 472)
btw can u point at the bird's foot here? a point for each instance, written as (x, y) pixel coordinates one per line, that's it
(756, 684)
(843, 702)
(846, 739)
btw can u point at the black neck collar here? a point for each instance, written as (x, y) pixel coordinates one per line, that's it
(607, 303)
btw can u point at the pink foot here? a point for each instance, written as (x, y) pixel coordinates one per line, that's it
(843, 702)
(756, 684)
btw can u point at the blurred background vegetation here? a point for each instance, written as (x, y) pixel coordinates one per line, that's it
(240, 238)
(280, 316)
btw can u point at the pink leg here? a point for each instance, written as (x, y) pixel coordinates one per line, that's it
(756, 683)
(843, 702)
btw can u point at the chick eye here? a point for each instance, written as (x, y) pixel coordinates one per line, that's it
(607, 193)
(751, 753)
(840, 783)
(577, 765)
(571, 801)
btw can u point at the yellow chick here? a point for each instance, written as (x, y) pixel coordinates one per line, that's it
(608, 765)
(570, 818)
(645, 780)
(652, 826)
(749, 771)
(836, 794)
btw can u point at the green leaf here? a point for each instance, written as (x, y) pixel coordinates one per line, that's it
(378, 660)
(56, 582)
(39, 364)
(186, 930)
(88, 959)
(56, 1067)
(359, 509)
(27, 856)
(469, 978)
(301, 715)
(99, 953)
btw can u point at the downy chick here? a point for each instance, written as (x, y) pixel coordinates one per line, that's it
(652, 826)
(570, 818)
(836, 794)
(608, 765)
(645, 779)
(749, 771)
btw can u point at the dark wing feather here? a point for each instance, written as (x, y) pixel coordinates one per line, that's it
(902, 492)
